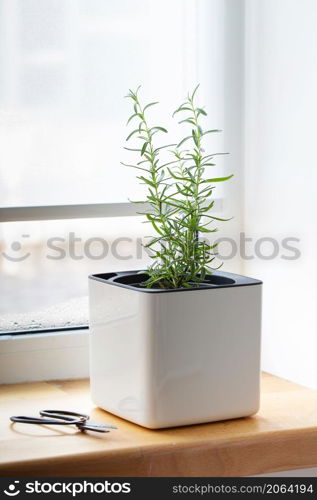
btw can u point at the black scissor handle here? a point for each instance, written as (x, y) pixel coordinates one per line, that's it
(65, 415)
(44, 421)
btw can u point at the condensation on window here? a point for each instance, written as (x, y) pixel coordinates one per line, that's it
(69, 314)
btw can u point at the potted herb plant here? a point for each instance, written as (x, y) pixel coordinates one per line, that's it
(179, 342)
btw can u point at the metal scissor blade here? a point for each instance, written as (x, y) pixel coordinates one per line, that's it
(102, 424)
(87, 427)
(91, 425)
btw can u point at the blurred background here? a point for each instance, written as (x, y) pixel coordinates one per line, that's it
(65, 67)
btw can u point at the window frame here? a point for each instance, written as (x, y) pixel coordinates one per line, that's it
(31, 357)
(60, 212)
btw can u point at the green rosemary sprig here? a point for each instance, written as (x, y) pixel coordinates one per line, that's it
(178, 194)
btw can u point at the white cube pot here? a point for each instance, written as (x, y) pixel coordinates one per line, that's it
(163, 358)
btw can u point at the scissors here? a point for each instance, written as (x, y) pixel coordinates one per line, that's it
(62, 417)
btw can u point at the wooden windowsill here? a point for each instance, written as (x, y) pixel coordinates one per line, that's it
(282, 436)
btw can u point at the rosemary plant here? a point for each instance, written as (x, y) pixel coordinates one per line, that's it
(178, 197)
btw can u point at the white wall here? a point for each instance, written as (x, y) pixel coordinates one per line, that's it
(281, 176)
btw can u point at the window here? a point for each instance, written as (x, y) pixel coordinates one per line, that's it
(65, 67)
(44, 283)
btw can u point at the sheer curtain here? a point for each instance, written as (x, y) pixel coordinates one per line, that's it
(65, 67)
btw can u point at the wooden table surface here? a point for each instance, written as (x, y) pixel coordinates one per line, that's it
(282, 436)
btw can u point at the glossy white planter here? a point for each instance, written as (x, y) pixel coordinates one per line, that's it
(170, 358)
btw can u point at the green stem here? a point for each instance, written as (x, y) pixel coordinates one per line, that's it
(158, 201)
